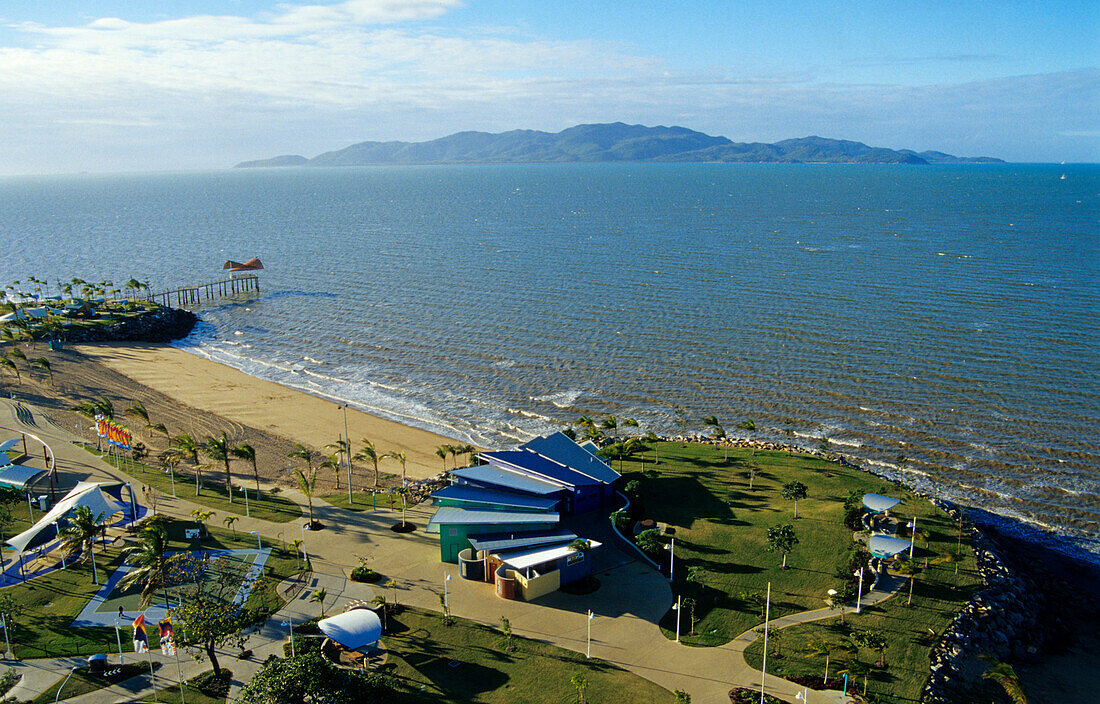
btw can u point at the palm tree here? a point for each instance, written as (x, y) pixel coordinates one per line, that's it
(218, 449)
(468, 450)
(318, 597)
(342, 449)
(246, 452)
(749, 426)
(159, 427)
(651, 436)
(9, 365)
(17, 353)
(147, 561)
(332, 462)
(717, 432)
(137, 410)
(99, 407)
(1005, 675)
(400, 457)
(855, 668)
(821, 647)
(403, 492)
(582, 546)
(306, 484)
(81, 533)
(185, 447)
(369, 453)
(297, 543)
(43, 364)
(202, 517)
(453, 450)
(229, 521)
(441, 453)
(610, 423)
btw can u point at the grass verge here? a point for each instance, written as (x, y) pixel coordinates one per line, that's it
(269, 507)
(467, 662)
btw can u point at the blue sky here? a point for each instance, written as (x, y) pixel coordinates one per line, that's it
(125, 86)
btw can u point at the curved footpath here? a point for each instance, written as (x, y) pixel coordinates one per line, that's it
(630, 602)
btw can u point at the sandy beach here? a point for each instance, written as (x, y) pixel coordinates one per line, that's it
(191, 394)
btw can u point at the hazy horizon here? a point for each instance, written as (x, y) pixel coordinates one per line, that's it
(203, 85)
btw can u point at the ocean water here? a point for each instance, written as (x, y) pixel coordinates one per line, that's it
(947, 314)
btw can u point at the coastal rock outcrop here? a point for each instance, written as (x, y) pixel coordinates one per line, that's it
(160, 325)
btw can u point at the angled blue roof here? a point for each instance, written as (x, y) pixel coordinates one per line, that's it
(449, 515)
(536, 464)
(494, 497)
(512, 481)
(887, 545)
(560, 448)
(502, 542)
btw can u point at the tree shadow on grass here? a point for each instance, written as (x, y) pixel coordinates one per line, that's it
(684, 498)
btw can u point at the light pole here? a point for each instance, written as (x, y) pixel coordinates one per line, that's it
(289, 622)
(7, 643)
(912, 526)
(347, 453)
(859, 592)
(259, 543)
(588, 651)
(446, 602)
(671, 547)
(676, 608)
(803, 696)
(244, 491)
(58, 697)
(118, 639)
(767, 617)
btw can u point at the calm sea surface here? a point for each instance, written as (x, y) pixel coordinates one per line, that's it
(947, 314)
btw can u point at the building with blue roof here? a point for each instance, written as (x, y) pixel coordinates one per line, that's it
(499, 520)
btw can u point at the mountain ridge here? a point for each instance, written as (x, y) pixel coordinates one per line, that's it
(609, 142)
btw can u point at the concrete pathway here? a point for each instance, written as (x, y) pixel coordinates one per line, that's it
(631, 601)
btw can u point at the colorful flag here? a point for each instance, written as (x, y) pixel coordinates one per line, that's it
(167, 638)
(141, 639)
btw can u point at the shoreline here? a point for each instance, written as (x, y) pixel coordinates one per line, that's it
(288, 413)
(199, 396)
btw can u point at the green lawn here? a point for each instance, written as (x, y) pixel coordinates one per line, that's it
(83, 682)
(466, 662)
(269, 507)
(47, 605)
(721, 530)
(196, 691)
(935, 601)
(364, 501)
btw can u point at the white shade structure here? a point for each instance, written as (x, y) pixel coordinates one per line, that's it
(886, 545)
(88, 494)
(355, 629)
(877, 503)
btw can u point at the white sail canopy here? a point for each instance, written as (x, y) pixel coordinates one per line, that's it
(88, 494)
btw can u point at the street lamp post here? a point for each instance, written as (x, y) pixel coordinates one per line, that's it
(58, 697)
(118, 639)
(767, 617)
(588, 650)
(347, 453)
(671, 547)
(259, 543)
(446, 602)
(677, 610)
(7, 643)
(859, 592)
(244, 490)
(912, 526)
(289, 622)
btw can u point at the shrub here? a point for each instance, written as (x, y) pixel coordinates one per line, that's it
(362, 573)
(650, 541)
(622, 520)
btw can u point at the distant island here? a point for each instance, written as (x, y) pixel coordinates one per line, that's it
(616, 142)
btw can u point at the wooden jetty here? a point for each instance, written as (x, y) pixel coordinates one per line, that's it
(195, 295)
